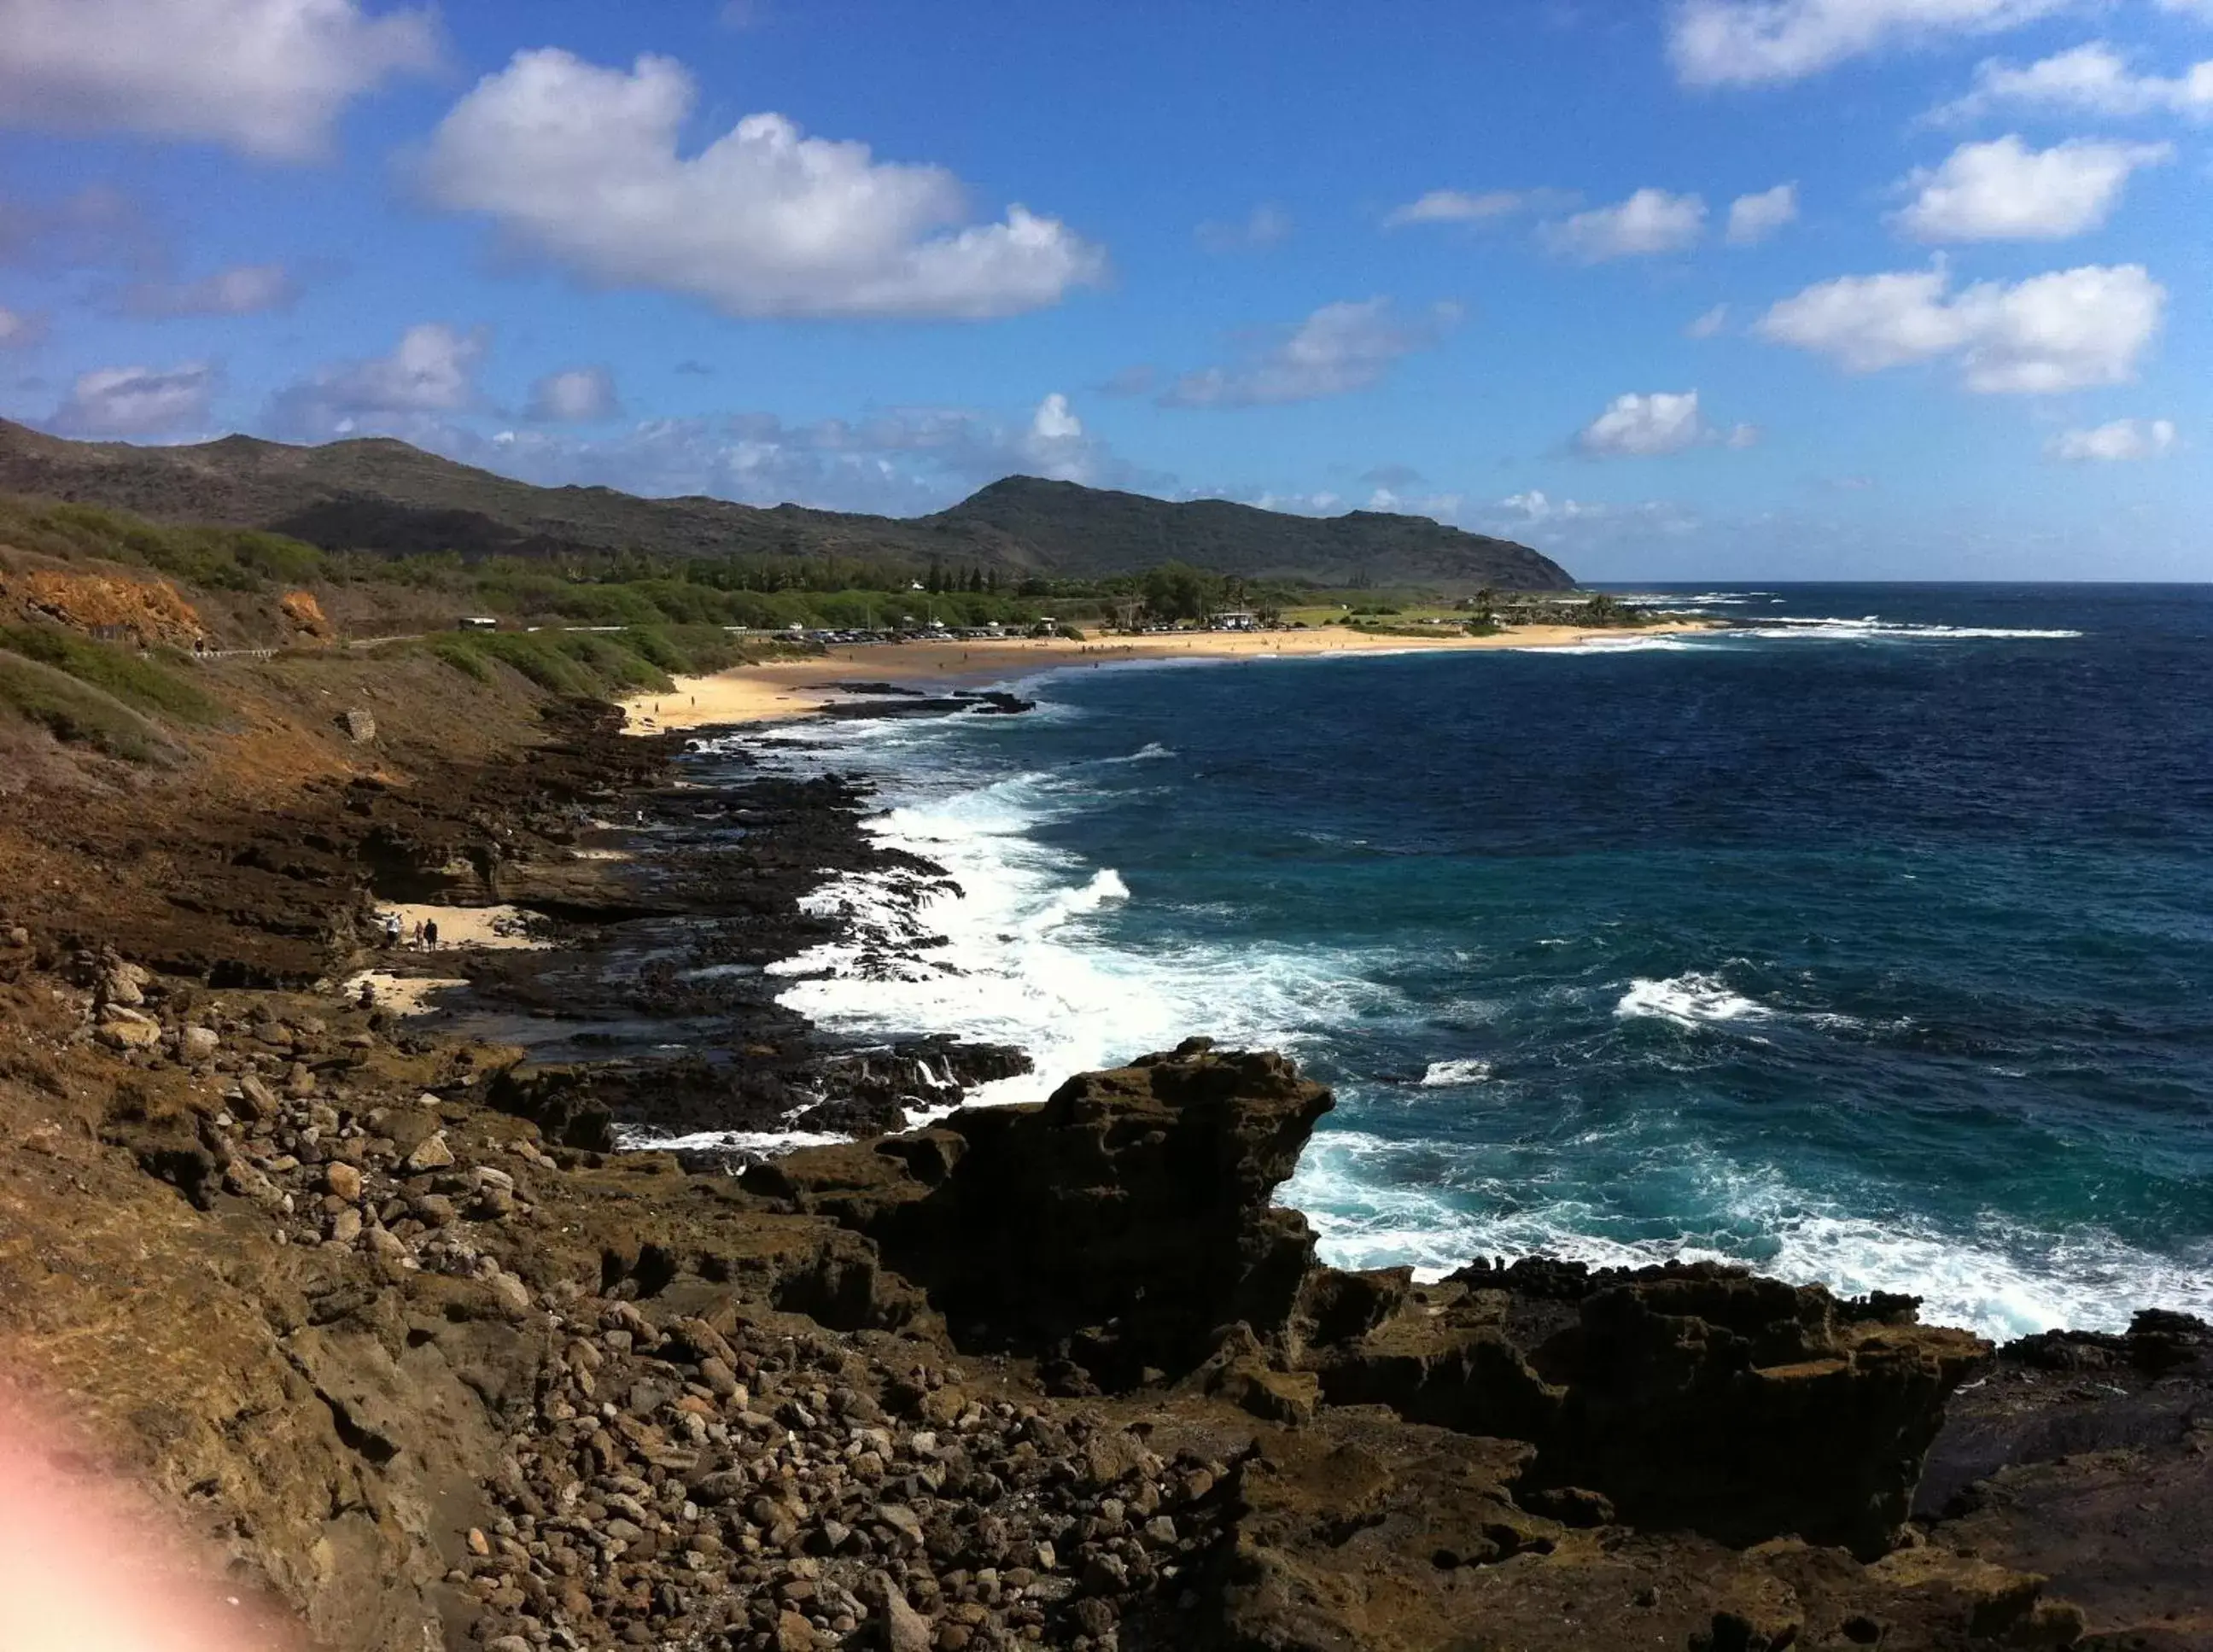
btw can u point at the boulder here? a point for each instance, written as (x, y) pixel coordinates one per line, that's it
(1125, 1220)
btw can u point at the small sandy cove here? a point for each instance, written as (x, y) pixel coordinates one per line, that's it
(794, 688)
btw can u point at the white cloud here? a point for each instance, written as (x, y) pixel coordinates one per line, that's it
(1053, 421)
(265, 76)
(1753, 219)
(2123, 439)
(1537, 506)
(241, 289)
(578, 395)
(1754, 42)
(2005, 190)
(2050, 332)
(1458, 206)
(1709, 325)
(431, 371)
(1340, 347)
(2088, 79)
(120, 401)
(19, 331)
(1655, 425)
(580, 163)
(1265, 225)
(1649, 222)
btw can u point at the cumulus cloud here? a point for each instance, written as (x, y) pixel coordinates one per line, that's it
(1460, 206)
(1755, 42)
(19, 331)
(2005, 190)
(241, 289)
(1649, 222)
(1340, 347)
(125, 401)
(1709, 325)
(2123, 439)
(2058, 332)
(1653, 426)
(1054, 421)
(431, 372)
(2090, 79)
(580, 164)
(1264, 226)
(265, 76)
(1753, 219)
(578, 395)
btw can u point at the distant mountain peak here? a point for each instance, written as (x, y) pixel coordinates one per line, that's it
(376, 493)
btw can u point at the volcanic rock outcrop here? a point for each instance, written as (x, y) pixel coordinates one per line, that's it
(1124, 1232)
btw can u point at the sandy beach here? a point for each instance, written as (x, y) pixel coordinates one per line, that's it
(794, 688)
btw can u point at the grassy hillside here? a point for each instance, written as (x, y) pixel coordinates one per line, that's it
(384, 496)
(1086, 533)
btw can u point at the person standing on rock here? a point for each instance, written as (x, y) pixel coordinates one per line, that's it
(430, 933)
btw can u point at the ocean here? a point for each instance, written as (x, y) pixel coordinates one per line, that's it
(1870, 944)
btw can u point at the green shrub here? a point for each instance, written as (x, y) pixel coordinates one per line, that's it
(75, 711)
(139, 683)
(470, 662)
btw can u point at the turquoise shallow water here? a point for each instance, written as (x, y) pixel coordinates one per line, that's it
(1872, 945)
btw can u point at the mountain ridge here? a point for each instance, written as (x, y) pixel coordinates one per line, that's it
(380, 494)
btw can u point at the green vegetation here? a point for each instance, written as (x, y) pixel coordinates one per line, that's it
(654, 595)
(596, 664)
(75, 711)
(221, 558)
(386, 498)
(133, 679)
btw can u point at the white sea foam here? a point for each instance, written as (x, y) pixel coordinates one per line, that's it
(1452, 1075)
(1627, 644)
(634, 1139)
(1376, 1202)
(1687, 1000)
(1874, 628)
(1151, 752)
(1018, 955)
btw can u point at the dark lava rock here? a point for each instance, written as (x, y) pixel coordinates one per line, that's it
(1126, 1217)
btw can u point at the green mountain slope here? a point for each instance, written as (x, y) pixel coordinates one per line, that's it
(377, 493)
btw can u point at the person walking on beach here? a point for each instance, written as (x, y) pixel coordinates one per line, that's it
(430, 933)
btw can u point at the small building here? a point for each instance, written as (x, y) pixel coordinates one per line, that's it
(1234, 619)
(476, 622)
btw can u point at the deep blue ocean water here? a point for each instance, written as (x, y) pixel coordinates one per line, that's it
(1871, 945)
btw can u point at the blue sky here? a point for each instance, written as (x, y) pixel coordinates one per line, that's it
(1700, 288)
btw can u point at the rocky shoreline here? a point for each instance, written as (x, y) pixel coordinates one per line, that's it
(1059, 1375)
